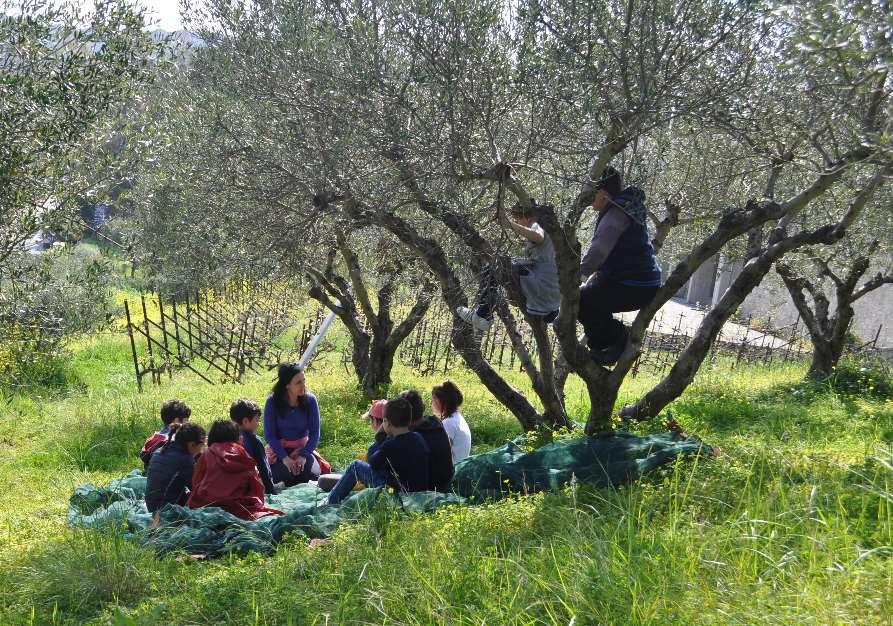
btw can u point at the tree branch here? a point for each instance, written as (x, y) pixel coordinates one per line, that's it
(875, 282)
(356, 277)
(415, 315)
(434, 256)
(686, 366)
(663, 226)
(796, 285)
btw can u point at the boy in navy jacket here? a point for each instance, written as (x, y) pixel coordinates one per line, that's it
(169, 475)
(246, 414)
(400, 461)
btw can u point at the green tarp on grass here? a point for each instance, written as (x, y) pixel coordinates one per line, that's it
(601, 461)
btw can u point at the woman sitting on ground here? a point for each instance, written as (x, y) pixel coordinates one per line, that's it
(291, 428)
(226, 476)
(445, 402)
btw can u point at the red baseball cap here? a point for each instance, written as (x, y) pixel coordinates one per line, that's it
(376, 411)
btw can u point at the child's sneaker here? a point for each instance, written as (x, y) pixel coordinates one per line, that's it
(471, 316)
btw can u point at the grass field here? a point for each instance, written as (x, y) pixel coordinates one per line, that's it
(791, 524)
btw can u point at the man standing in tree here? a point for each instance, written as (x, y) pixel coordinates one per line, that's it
(619, 270)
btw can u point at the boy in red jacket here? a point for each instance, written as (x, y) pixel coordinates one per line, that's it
(226, 476)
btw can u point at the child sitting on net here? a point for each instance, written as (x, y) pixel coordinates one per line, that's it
(375, 415)
(536, 274)
(226, 476)
(246, 415)
(432, 430)
(169, 475)
(172, 412)
(400, 461)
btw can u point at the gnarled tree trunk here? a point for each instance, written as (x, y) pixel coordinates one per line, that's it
(373, 334)
(683, 371)
(828, 330)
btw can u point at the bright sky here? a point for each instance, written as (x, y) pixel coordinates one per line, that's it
(159, 13)
(163, 13)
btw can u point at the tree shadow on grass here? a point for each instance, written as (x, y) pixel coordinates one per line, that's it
(493, 432)
(109, 442)
(49, 386)
(780, 411)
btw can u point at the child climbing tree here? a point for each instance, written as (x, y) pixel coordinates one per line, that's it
(418, 120)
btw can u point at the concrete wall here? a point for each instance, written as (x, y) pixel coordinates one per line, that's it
(873, 312)
(700, 285)
(771, 301)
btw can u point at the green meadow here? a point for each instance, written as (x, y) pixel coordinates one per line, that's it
(792, 523)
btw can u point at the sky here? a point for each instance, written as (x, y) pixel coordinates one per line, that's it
(160, 13)
(163, 13)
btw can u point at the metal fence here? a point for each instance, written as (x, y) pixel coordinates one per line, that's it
(745, 341)
(219, 335)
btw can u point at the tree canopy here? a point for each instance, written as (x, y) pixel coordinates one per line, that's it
(64, 73)
(756, 129)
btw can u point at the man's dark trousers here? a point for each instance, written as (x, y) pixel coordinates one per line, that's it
(599, 301)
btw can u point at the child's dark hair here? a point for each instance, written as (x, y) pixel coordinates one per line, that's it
(610, 181)
(286, 372)
(415, 403)
(243, 409)
(173, 410)
(223, 431)
(183, 434)
(449, 396)
(398, 412)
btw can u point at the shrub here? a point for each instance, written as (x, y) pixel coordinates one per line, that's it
(45, 301)
(866, 378)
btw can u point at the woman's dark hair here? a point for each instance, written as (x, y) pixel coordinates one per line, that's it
(611, 181)
(243, 409)
(449, 396)
(398, 412)
(223, 431)
(524, 211)
(415, 402)
(182, 435)
(286, 372)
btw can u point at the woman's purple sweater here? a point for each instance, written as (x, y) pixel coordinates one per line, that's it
(294, 423)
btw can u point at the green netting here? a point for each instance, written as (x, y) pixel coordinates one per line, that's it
(614, 459)
(601, 461)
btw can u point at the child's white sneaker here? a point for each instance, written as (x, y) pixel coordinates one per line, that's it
(470, 315)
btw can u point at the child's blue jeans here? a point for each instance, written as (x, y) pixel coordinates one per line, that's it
(356, 471)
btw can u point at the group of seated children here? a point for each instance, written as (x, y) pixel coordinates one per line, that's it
(411, 452)
(233, 473)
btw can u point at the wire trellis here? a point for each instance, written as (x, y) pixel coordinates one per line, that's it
(217, 335)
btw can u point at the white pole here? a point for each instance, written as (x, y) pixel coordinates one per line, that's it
(317, 338)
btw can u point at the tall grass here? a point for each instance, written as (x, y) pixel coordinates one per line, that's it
(792, 523)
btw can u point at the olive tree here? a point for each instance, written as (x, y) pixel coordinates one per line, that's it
(826, 282)
(64, 72)
(225, 193)
(420, 118)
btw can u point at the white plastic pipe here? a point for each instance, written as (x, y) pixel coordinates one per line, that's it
(317, 338)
